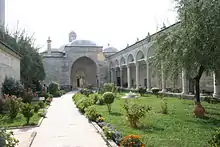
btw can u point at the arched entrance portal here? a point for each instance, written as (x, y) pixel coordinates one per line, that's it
(84, 73)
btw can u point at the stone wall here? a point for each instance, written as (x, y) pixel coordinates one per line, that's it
(9, 64)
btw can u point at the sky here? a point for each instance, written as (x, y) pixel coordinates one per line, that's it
(117, 22)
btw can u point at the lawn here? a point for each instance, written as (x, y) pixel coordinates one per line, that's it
(20, 120)
(177, 128)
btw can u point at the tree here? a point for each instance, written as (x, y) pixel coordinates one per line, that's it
(193, 43)
(32, 69)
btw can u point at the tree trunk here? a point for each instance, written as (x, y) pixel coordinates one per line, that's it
(197, 84)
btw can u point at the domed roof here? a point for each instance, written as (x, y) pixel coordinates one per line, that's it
(82, 43)
(110, 49)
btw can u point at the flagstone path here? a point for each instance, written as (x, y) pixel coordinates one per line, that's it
(66, 127)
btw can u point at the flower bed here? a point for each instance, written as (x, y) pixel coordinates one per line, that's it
(85, 104)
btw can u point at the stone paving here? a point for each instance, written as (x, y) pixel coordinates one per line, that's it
(66, 127)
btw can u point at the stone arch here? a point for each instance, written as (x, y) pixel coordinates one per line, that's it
(84, 72)
(122, 61)
(140, 55)
(130, 58)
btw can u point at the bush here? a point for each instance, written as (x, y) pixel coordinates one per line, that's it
(48, 95)
(95, 97)
(13, 105)
(27, 96)
(134, 112)
(36, 108)
(108, 132)
(108, 87)
(9, 137)
(27, 111)
(100, 101)
(83, 103)
(141, 91)
(57, 94)
(164, 109)
(132, 140)
(41, 104)
(12, 87)
(91, 113)
(77, 97)
(2, 105)
(86, 92)
(215, 140)
(53, 88)
(155, 90)
(108, 98)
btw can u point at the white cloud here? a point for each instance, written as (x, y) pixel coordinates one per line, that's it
(117, 22)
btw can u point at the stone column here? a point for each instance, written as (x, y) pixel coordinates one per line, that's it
(137, 75)
(216, 80)
(185, 82)
(148, 77)
(163, 79)
(121, 77)
(112, 76)
(128, 76)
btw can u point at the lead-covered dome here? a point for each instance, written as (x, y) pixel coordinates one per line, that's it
(82, 43)
(110, 49)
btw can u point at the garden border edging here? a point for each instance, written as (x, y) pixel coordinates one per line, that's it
(109, 143)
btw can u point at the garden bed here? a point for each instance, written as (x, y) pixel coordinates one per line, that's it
(177, 128)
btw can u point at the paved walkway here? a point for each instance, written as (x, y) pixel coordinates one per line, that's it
(66, 127)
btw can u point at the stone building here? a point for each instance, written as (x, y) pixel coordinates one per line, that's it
(80, 63)
(9, 63)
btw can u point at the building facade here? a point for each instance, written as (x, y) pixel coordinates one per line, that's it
(81, 63)
(9, 63)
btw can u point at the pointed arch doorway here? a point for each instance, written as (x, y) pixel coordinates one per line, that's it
(84, 73)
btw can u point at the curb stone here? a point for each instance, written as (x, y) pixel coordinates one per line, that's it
(110, 143)
(31, 139)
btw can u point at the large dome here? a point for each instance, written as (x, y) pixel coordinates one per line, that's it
(82, 43)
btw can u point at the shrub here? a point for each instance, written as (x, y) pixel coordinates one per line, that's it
(91, 113)
(164, 109)
(27, 96)
(27, 111)
(100, 119)
(12, 87)
(2, 105)
(57, 94)
(77, 97)
(13, 105)
(215, 140)
(83, 103)
(95, 97)
(36, 108)
(108, 87)
(41, 104)
(53, 88)
(48, 95)
(86, 92)
(108, 132)
(134, 112)
(155, 90)
(108, 98)
(100, 101)
(141, 91)
(8, 137)
(132, 141)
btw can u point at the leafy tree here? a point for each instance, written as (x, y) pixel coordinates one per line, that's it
(193, 43)
(32, 69)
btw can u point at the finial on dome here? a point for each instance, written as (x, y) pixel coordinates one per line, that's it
(127, 45)
(137, 39)
(108, 44)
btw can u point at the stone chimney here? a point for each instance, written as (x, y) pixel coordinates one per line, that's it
(49, 45)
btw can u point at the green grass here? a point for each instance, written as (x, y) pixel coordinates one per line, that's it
(178, 128)
(20, 120)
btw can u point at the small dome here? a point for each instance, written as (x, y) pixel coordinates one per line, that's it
(110, 49)
(82, 43)
(72, 36)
